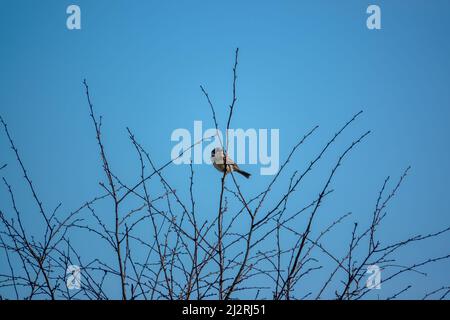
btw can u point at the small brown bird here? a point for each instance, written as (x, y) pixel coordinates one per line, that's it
(219, 160)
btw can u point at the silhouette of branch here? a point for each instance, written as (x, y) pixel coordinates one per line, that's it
(159, 242)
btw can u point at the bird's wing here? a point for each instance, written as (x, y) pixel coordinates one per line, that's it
(229, 160)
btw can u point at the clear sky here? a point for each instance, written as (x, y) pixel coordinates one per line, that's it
(301, 63)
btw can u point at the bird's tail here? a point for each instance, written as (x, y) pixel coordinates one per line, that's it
(245, 174)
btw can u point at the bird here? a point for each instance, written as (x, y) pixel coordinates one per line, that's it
(219, 160)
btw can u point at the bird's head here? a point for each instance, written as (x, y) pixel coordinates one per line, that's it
(215, 151)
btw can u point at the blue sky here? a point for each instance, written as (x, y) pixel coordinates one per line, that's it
(301, 63)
